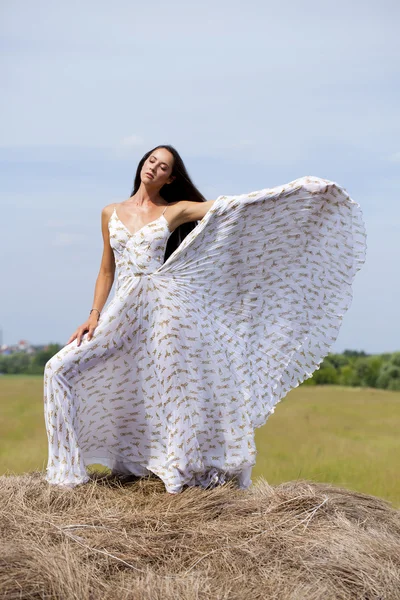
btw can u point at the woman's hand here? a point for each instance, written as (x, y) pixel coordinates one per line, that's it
(89, 325)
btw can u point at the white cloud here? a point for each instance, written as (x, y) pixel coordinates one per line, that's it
(68, 239)
(131, 141)
(57, 223)
(126, 147)
(394, 157)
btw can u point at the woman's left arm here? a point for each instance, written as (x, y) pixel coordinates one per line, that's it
(194, 211)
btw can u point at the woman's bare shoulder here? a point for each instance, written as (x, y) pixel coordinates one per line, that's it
(107, 210)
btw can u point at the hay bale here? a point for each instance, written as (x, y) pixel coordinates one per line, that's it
(130, 540)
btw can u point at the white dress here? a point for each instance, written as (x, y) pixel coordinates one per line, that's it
(192, 354)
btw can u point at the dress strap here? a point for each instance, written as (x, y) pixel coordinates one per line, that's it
(164, 210)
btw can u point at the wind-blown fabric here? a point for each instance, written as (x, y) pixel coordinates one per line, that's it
(191, 355)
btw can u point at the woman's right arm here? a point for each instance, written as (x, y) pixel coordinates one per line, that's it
(104, 281)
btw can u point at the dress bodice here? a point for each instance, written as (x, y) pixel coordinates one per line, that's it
(138, 253)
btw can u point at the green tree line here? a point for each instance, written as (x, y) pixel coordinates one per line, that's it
(351, 368)
(358, 369)
(19, 363)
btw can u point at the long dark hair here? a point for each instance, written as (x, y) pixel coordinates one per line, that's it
(181, 188)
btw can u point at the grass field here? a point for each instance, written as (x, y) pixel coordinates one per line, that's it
(344, 436)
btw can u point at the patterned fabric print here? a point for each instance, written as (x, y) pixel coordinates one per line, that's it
(192, 354)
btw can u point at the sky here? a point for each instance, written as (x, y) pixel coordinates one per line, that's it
(252, 94)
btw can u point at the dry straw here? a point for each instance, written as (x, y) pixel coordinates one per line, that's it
(130, 540)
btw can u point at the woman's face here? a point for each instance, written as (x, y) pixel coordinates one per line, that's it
(157, 168)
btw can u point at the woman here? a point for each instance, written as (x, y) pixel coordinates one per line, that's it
(211, 324)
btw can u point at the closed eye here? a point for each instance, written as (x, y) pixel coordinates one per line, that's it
(152, 159)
